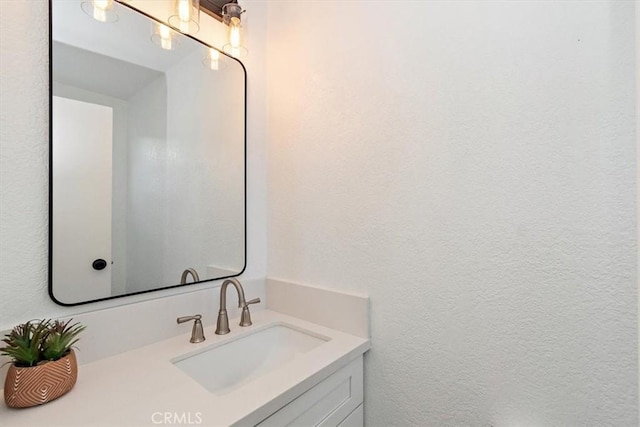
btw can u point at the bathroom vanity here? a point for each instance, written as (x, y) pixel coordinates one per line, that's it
(282, 370)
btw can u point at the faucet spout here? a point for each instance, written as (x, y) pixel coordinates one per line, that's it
(223, 293)
(222, 325)
(192, 272)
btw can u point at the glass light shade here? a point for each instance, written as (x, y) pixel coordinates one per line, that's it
(100, 10)
(235, 47)
(164, 36)
(186, 16)
(212, 59)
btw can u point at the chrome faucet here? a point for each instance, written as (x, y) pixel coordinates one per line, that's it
(194, 274)
(222, 326)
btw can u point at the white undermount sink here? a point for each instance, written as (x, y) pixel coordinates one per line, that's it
(226, 367)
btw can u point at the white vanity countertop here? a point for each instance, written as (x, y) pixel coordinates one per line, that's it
(129, 388)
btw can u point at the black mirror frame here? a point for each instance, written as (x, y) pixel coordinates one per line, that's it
(51, 201)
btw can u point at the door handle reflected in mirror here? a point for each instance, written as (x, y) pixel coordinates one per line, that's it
(99, 264)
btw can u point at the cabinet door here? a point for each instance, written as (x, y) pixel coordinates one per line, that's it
(326, 404)
(355, 419)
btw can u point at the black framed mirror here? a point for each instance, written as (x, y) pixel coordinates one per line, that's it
(147, 156)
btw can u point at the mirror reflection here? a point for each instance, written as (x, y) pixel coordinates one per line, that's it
(148, 157)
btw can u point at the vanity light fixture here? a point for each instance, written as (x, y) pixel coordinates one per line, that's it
(212, 59)
(231, 16)
(186, 16)
(100, 10)
(163, 36)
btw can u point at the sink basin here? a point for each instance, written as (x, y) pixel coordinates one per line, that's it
(227, 367)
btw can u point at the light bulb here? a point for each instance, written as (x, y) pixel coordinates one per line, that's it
(102, 4)
(186, 16)
(235, 47)
(234, 32)
(184, 10)
(99, 15)
(100, 10)
(214, 59)
(163, 36)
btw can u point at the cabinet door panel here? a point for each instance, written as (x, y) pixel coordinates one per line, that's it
(355, 419)
(326, 404)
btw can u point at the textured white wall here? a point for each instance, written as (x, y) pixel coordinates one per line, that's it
(470, 166)
(24, 152)
(637, 27)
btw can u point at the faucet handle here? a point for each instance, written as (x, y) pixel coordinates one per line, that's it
(188, 318)
(242, 303)
(253, 301)
(197, 332)
(245, 317)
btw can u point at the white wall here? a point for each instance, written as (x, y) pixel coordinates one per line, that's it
(637, 28)
(24, 152)
(24, 155)
(186, 176)
(470, 166)
(204, 169)
(147, 186)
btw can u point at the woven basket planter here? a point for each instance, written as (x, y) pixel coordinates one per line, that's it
(35, 385)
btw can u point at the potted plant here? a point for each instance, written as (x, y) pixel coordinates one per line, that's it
(43, 363)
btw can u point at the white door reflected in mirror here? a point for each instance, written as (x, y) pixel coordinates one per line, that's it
(82, 134)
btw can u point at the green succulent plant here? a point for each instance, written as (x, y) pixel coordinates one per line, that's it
(59, 339)
(37, 341)
(23, 343)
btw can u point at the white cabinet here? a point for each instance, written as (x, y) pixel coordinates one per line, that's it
(335, 401)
